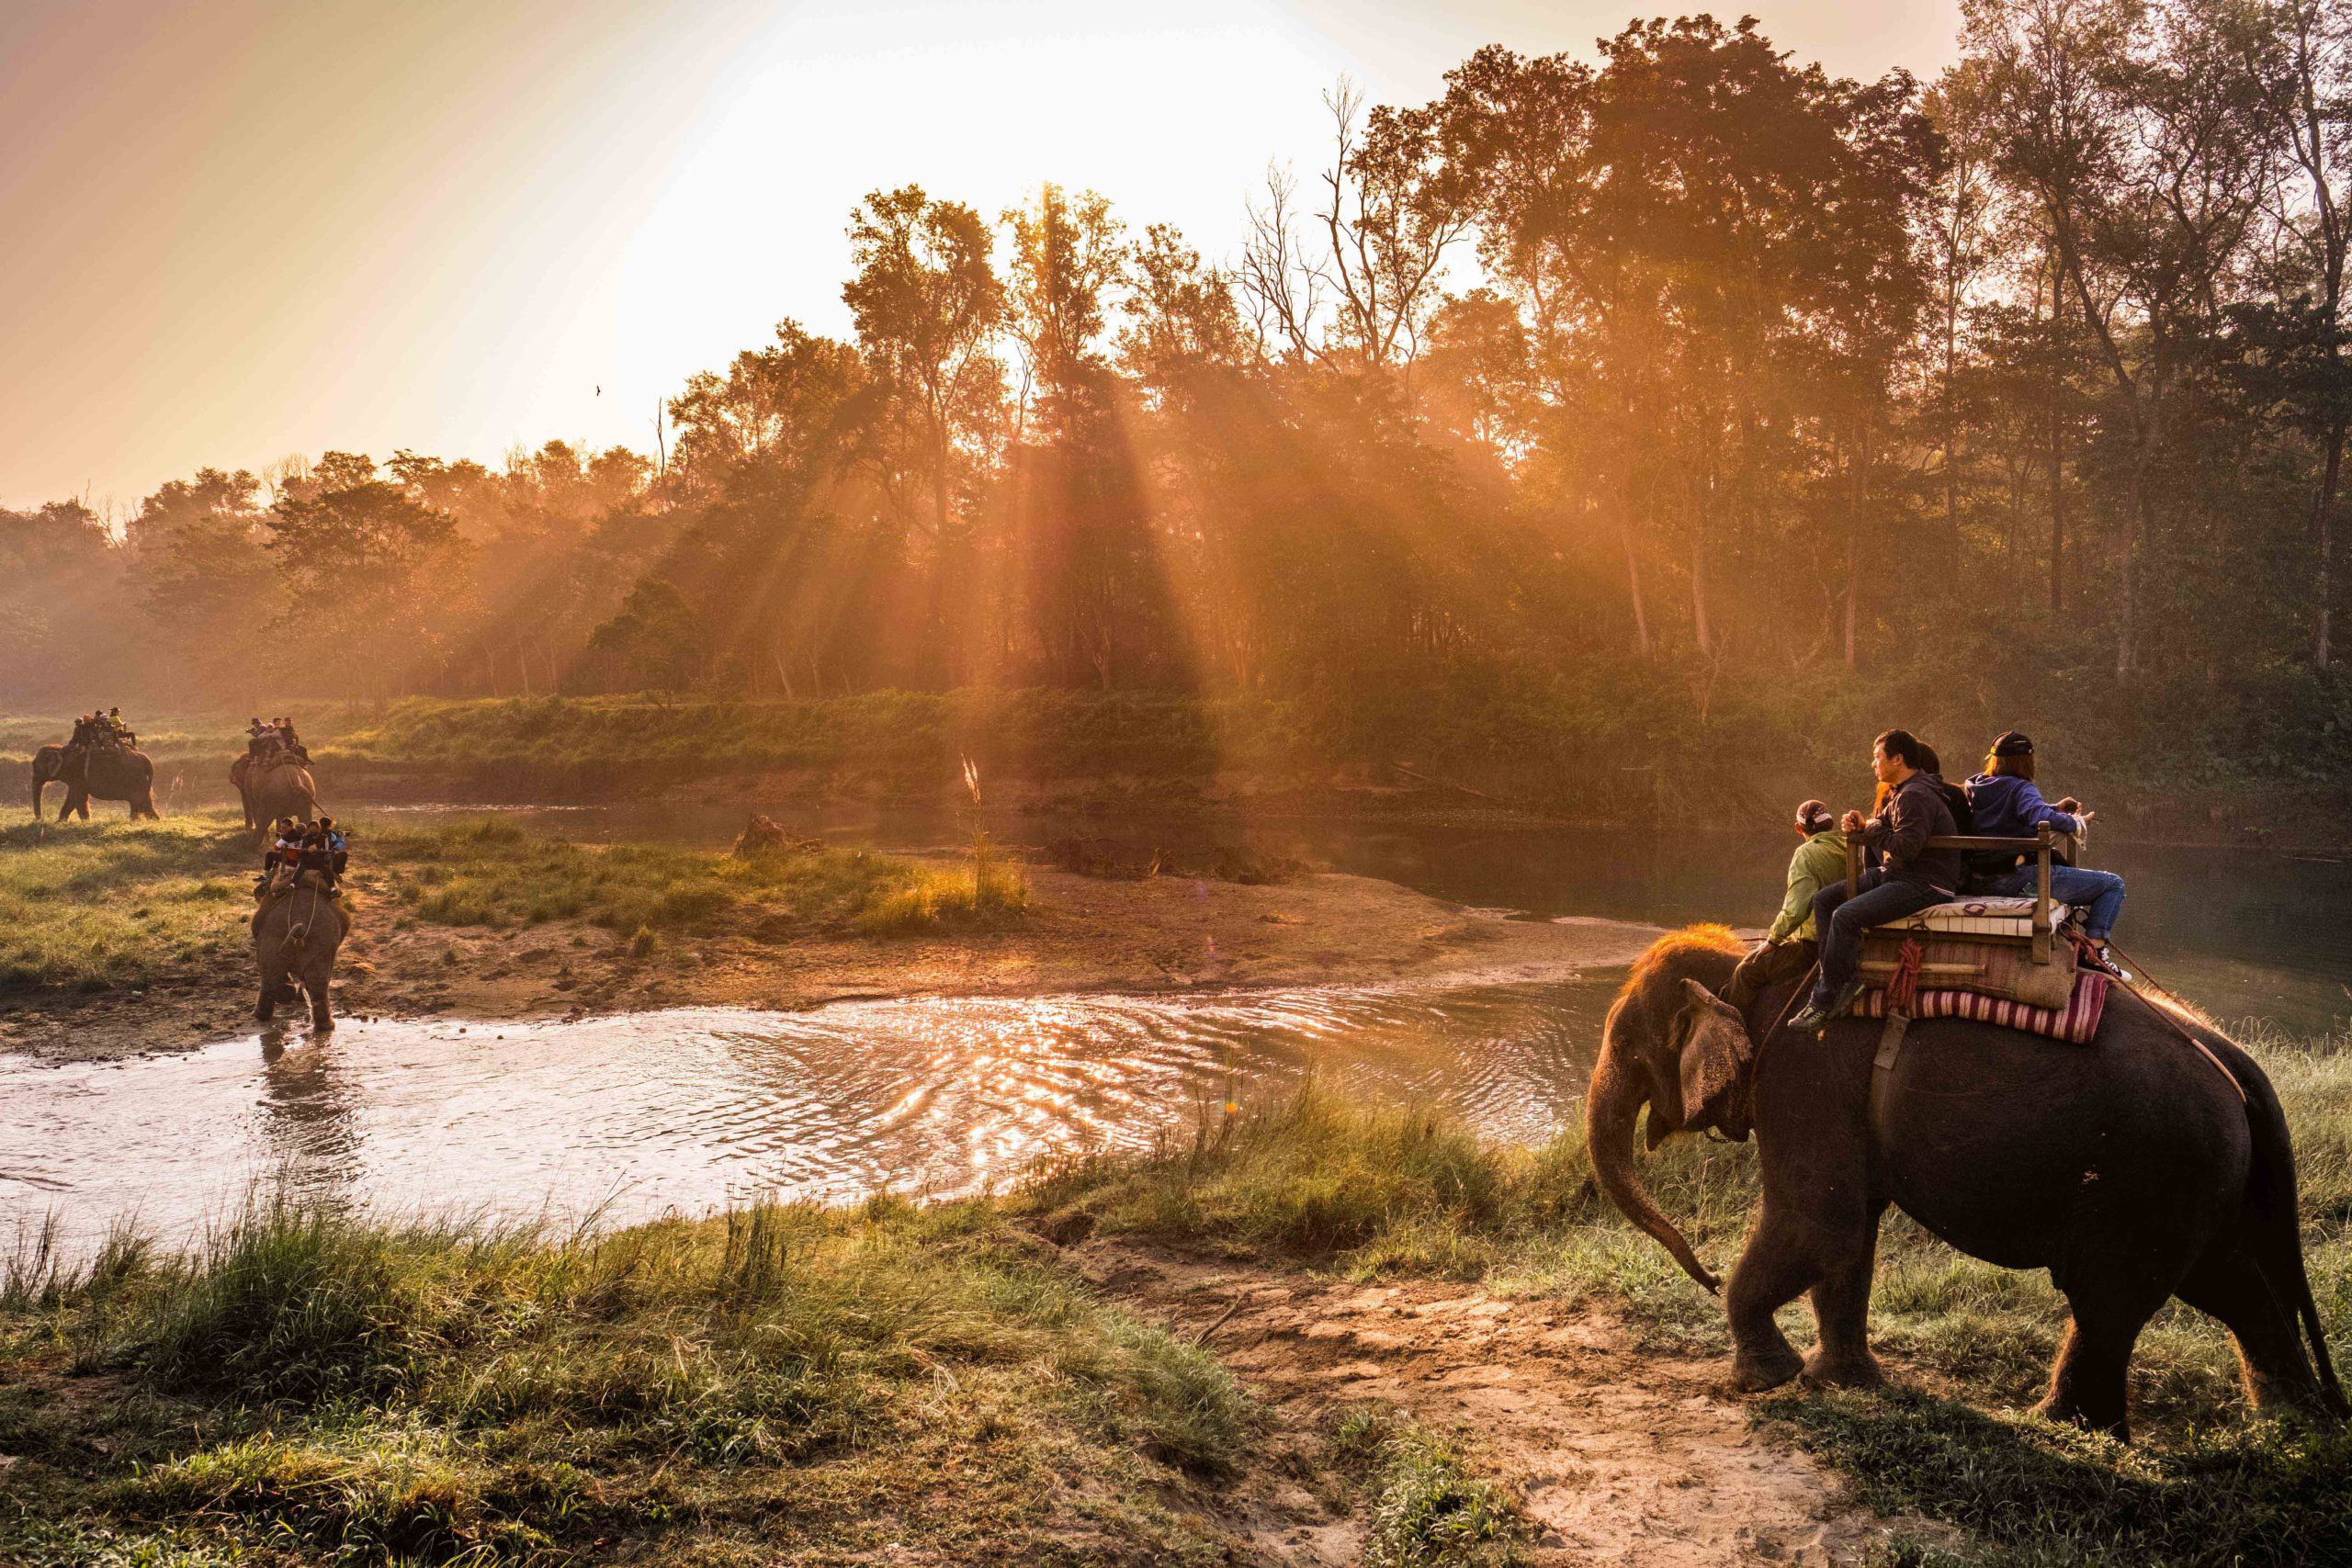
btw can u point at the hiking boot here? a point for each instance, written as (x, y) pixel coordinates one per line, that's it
(1818, 1016)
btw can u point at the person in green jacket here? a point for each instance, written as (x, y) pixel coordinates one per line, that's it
(1790, 948)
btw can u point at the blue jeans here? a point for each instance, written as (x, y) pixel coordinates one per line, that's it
(2098, 894)
(1841, 921)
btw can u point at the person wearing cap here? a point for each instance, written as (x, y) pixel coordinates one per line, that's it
(2007, 804)
(1789, 949)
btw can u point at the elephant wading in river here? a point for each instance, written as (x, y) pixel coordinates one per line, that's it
(2129, 1168)
(280, 787)
(99, 773)
(296, 936)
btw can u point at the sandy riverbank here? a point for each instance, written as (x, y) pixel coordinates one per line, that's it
(1080, 934)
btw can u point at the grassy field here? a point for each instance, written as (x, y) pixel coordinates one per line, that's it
(110, 905)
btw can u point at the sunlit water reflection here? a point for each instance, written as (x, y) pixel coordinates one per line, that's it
(690, 1108)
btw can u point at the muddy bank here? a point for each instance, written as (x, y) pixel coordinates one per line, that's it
(1081, 935)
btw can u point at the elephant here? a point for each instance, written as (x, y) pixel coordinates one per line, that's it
(270, 790)
(296, 935)
(2130, 1167)
(98, 773)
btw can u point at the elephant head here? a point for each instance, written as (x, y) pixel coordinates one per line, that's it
(1673, 1045)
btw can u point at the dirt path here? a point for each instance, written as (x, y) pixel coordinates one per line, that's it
(1622, 1456)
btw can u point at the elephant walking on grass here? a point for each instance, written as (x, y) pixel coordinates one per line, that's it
(2130, 1167)
(296, 936)
(95, 773)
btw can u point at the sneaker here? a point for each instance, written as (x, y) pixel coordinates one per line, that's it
(2095, 956)
(1818, 1016)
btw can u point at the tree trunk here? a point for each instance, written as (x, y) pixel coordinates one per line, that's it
(2057, 509)
(1633, 577)
(1862, 477)
(2323, 509)
(1700, 501)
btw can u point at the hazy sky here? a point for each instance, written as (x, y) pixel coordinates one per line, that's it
(232, 229)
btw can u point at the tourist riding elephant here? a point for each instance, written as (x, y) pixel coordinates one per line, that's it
(272, 789)
(101, 772)
(296, 934)
(2131, 1167)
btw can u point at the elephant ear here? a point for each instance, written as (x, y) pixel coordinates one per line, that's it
(1715, 1054)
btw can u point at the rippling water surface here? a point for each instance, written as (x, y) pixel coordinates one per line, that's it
(690, 1108)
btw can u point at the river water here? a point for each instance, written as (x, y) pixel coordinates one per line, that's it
(624, 1118)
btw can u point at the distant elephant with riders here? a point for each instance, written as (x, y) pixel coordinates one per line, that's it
(95, 773)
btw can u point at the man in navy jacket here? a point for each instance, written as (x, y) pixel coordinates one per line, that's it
(2007, 804)
(1914, 876)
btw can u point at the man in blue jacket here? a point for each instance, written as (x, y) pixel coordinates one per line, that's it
(2005, 804)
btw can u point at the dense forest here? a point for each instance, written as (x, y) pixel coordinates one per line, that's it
(1685, 390)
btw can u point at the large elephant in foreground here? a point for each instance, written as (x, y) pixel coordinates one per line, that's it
(296, 935)
(99, 773)
(2129, 1168)
(279, 786)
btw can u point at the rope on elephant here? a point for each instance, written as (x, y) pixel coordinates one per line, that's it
(2172, 1018)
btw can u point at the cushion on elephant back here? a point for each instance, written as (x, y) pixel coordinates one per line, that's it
(1978, 916)
(2075, 1023)
(1999, 968)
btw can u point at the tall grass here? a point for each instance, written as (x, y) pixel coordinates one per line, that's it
(374, 1391)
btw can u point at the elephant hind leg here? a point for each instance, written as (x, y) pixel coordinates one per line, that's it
(1841, 1307)
(2229, 1284)
(2112, 1296)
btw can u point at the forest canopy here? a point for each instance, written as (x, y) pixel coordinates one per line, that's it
(1634, 388)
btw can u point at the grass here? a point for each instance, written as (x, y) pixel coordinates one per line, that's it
(494, 873)
(112, 905)
(789, 1384)
(101, 905)
(1428, 1506)
(1381, 1192)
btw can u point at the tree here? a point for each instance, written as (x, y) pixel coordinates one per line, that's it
(927, 303)
(353, 550)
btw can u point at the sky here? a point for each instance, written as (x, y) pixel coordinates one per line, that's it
(233, 230)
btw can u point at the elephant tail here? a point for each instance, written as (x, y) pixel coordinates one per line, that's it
(2281, 1261)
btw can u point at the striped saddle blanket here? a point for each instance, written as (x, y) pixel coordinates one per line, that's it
(2075, 1023)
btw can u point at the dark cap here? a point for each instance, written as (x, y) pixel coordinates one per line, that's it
(1814, 817)
(2013, 743)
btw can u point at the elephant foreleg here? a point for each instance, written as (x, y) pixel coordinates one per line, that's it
(1774, 1269)
(322, 1018)
(266, 1008)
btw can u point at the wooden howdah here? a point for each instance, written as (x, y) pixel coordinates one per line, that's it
(2046, 844)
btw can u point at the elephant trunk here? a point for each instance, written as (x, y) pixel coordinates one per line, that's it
(1611, 1108)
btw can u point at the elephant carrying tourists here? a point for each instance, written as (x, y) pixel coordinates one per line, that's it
(94, 769)
(1790, 946)
(297, 927)
(2148, 1162)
